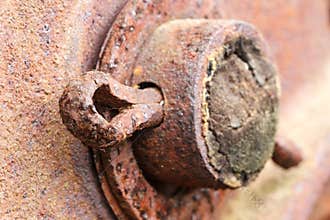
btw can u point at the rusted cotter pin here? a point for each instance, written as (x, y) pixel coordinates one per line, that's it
(135, 109)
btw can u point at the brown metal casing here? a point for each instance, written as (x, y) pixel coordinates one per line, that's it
(182, 58)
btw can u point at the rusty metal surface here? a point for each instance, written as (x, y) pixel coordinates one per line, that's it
(130, 193)
(46, 43)
(130, 31)
(44, 171)
(284, 36)
(103, 113)
(211, 135)
(138, 198)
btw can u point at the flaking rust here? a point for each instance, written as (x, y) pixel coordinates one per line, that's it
(240, 110)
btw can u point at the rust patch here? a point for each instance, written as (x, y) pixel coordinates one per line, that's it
(242, 107)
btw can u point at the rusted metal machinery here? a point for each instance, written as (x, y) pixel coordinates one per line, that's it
(180, 112)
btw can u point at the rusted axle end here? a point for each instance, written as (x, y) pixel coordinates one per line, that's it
(221, 103)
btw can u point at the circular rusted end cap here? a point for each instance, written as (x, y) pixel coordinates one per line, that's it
(239, 111)
(221, 101)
